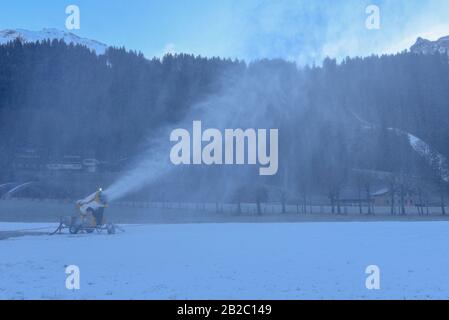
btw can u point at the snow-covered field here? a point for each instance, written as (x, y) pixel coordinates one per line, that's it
(231, 261)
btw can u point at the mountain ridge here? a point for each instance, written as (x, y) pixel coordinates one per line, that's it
(429, 47)
(27, 36)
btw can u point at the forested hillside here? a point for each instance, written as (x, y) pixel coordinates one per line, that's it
(67, 100)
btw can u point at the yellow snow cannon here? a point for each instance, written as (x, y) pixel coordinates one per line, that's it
(91, 216)
(93, 205)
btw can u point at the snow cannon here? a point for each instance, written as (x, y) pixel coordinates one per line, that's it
(93, 204)
(90, 216)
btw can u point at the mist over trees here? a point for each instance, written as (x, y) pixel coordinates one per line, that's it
(64, 99)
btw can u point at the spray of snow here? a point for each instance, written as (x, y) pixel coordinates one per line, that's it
(258, 92)
(150, 166)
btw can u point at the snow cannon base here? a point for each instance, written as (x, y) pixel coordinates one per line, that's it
(76, 225)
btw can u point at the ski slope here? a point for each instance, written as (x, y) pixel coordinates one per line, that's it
(433, 158)
(231, 261)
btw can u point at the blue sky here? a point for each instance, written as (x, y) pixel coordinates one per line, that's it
(299, 30)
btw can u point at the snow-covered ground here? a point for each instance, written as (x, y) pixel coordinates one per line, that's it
(235, 261)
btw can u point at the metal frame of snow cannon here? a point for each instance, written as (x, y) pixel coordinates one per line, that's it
(90, 211)
(75, 225)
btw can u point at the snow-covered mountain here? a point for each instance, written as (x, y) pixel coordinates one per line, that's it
(50, 34)
(427, 47)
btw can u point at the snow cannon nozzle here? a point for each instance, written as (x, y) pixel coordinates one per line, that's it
(102, 197)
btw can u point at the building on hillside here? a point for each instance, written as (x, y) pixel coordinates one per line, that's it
(383, 198)
(29, 159)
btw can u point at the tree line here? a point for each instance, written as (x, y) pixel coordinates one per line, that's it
(67, 100)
